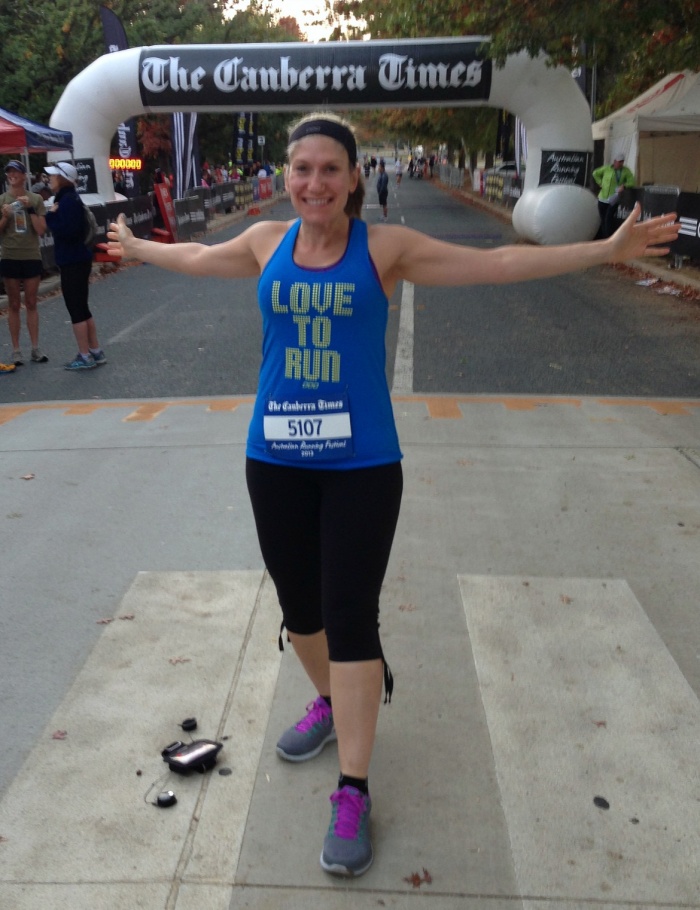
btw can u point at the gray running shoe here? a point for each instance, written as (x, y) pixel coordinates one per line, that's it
(347, 848)
(308, 737)
(38, 356)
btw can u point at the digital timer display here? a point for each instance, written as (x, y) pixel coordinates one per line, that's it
(125, 164)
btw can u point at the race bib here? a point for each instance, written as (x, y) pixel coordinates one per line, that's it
(308, 429)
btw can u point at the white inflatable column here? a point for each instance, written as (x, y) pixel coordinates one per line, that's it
(95, 102)
(556, 116)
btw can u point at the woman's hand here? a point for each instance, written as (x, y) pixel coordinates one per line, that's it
(119, 238)
(635, 239)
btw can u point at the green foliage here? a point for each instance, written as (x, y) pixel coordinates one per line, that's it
(45, 45)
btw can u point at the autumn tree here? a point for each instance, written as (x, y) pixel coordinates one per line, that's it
(462, 129)
(630, 44)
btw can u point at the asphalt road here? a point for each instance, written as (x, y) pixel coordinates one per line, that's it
(592, 333)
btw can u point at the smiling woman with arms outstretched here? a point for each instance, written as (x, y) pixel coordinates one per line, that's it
(323, 460)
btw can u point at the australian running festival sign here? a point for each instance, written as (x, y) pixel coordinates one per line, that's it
(345, 74)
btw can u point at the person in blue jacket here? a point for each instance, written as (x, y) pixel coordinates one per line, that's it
(323, 460)
(66, 221)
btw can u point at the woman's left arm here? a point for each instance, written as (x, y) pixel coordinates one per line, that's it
(423, 260)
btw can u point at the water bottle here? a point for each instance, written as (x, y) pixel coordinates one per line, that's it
(20, 217)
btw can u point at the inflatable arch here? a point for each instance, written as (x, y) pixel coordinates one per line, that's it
(555, 205)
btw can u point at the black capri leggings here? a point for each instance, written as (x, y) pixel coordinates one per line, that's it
(75, 286)
(325, 538)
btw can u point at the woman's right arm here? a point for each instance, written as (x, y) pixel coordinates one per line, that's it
(242, 257)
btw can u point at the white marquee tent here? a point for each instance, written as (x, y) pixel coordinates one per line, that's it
(659, 133)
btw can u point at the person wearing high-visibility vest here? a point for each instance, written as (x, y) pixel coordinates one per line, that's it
(612, 179)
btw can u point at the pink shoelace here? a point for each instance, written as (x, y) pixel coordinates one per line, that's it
(318, 712)
(348, 806)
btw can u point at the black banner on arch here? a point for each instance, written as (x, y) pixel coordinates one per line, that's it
(344, 74)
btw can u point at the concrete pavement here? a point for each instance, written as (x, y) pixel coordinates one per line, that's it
(540, 615)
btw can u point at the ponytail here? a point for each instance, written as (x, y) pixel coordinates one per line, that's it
(353, 207)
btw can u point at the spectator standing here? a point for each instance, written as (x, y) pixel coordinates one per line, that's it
(612, 179)
(66, 221)
(21, 225)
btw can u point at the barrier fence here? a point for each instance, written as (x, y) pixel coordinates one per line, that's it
(192, 214)
(658, 200)
(197, 209)
(139, 213)
(451, 176)
(655, 200)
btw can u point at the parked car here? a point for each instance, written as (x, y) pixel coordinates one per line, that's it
(507, 167)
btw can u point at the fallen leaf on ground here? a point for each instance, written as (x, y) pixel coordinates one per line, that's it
(179, 660)
(59, 734)
(416, 879)
(28, 476)
(104, 622)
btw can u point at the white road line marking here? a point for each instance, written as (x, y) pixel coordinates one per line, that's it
(403, 364)
(583, 700)
(195, 643)
(120, 336)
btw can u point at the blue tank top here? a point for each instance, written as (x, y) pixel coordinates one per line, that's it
(323, 400)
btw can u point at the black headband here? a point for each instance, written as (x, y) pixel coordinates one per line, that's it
(331, 129)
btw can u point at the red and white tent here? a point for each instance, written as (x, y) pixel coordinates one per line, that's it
(19, 136)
